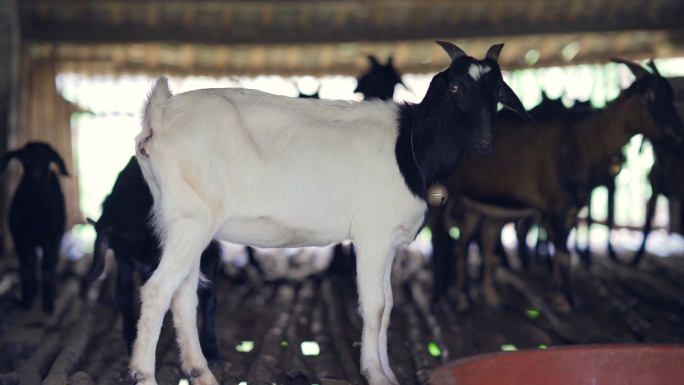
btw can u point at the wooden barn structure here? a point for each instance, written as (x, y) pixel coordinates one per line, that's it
(43, 37)
(81, 343)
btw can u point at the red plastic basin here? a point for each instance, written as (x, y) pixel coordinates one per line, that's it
(576, 365)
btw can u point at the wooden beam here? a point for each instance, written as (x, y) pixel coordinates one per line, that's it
(90, 33)
(10, 42)
(62, 3)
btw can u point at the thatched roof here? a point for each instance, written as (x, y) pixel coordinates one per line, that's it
(332, 37)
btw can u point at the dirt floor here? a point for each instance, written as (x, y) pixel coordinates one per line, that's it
(262, 325)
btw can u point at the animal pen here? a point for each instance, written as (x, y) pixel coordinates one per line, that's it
(76, 76)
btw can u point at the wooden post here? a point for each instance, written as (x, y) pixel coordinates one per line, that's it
(9, 68)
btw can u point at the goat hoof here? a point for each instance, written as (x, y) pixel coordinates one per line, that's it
(492, 298)
(560, 304)
(376, 377)
(136, 376)
(462, 303)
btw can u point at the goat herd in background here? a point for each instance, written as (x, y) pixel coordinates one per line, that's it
(269, 171)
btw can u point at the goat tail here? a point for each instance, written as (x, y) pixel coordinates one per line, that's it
(152, 115)
(101, 246)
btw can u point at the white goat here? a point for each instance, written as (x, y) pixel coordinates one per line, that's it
(270, 171)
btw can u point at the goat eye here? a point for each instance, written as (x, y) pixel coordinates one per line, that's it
(501, 93)
(453, 88)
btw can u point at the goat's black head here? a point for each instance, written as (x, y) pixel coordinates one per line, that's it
(305, 96)
(35, 158)
(547, 107)
(655, 93)
(474, 88)
(379, 82)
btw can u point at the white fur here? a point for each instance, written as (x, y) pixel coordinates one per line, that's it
(476, 71)
(248, 167)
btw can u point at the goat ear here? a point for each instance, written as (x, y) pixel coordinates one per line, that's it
(54, 157)
(4, 160)
(374, 62)
(651, 64)
(510, 100)
(636, 69)
(453, 51)
(494, 51)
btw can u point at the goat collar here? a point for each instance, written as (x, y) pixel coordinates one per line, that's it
(436, 194)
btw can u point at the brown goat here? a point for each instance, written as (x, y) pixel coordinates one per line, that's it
(547, 168)
(665, 177)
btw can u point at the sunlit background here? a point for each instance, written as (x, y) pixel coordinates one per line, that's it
(103, 136)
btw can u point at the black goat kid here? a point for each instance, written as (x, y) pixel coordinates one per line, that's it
(379, 82)
(123, 227)
(37, 219)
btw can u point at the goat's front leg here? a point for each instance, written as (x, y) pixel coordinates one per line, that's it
(561, 296)
(610, 219)
(49, 270)
(27, 271)
(469, 228)
(522, 228)
(490, 237)
(374, 266)
(125, 299)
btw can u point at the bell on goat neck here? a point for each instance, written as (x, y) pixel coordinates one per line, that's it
(437, 194)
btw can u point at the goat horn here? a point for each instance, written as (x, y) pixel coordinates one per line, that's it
(453, 51)
(636, 69)
(494, 51)
(651, 64)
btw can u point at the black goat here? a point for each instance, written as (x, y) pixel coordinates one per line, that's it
(37, 218)
(305, 96)
(124, 228)
(379, 82)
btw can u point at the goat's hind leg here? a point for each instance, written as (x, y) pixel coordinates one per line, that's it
(561, 295)
(184, 308)
(184, 241)
(27, 271)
